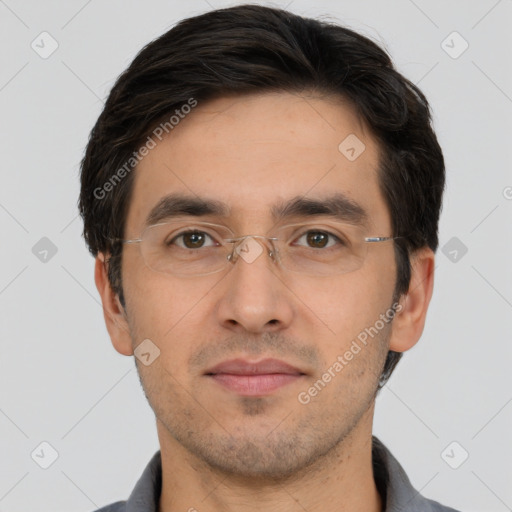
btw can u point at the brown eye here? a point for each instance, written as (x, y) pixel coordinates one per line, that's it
(317, 239)
(192, 240)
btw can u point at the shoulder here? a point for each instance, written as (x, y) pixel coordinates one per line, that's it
(437, 507)
(118, 506)
(394, 484)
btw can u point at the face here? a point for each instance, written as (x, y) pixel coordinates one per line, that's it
(274, 333)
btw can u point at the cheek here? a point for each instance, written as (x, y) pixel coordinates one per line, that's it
(344, 305)
(158, 299)
(167, 310)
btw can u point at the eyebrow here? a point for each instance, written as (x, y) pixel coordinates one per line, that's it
(338, 206)
(175, 205)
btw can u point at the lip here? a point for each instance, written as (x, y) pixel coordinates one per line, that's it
(263, 367)
(254, 378)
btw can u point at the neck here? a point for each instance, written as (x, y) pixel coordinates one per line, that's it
(341, 479)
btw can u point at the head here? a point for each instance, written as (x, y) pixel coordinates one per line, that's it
(247, 106)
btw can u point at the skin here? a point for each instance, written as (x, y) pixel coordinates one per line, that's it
(221, 451)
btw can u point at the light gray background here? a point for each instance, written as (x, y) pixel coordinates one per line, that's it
(61, 380)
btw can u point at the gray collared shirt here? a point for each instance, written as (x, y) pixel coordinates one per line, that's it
(392, 482)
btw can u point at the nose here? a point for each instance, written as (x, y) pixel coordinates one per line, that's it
(254, 297)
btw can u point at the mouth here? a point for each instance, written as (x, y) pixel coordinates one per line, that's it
(248, 378)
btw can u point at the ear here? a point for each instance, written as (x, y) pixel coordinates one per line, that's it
(113, 311)
(409, 321)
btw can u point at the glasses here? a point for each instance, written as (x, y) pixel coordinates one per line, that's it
(185, 248)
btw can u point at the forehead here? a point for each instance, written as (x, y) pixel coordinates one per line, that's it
(254, 152)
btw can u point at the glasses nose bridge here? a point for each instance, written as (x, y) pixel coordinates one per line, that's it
(243, 248)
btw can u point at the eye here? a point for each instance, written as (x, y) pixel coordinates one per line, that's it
(318, 239)
(193, 239)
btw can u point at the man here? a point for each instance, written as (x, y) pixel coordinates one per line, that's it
(262, 194)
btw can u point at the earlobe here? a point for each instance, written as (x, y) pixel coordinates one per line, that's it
(409, 322)
(115, 315)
